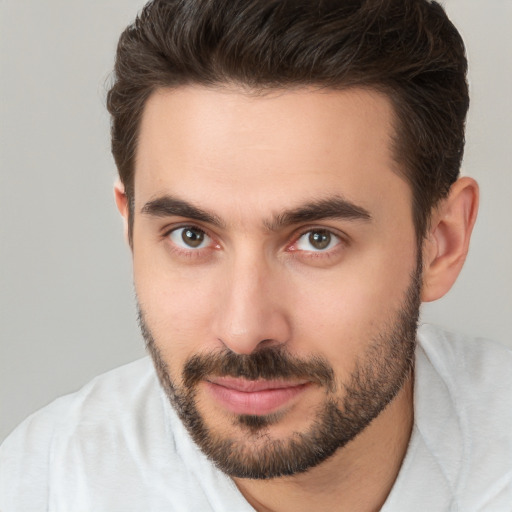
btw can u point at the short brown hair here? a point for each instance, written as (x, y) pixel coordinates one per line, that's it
(407, 49)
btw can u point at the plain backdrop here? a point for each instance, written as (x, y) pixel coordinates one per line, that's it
(66, 299)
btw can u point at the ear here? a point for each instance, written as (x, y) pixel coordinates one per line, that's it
(122, 206)
(447, 241)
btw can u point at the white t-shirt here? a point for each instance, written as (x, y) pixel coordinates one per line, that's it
(117, 444)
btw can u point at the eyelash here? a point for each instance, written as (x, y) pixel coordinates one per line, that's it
(296, 253)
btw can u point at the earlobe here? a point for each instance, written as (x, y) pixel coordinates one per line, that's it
(447, 241)
(122, 205)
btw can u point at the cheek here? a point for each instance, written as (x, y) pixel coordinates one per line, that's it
(348, 308)
(177, 307)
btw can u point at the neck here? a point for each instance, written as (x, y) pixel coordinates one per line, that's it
(357, 477)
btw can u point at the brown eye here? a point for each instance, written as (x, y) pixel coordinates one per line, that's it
(320, 239)
(317, 240)
(192, 237)
(189, 238)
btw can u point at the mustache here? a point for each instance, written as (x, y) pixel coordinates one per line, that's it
(267, 363)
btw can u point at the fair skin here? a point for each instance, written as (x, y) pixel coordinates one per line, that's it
(244, 159)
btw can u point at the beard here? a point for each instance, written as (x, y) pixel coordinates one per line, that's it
(378, 376)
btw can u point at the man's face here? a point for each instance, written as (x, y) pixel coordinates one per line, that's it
(275, 267)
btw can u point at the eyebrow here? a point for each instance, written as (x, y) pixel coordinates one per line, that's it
(330, 208)
(168, 206)
(335, 207)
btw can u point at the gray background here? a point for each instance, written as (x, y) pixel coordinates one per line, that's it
(66, 298)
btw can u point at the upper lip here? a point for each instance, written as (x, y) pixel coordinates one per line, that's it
(252, 386)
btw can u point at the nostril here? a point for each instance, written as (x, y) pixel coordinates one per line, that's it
(267, 342)
(245, 346)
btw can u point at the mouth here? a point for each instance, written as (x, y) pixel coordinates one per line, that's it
(254, 397)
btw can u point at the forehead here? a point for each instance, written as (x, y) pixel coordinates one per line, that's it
(269, 151)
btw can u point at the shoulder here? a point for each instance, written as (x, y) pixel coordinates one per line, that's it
(110, 392)
(475, 372)
(103, 406)
(464, 413)
(114, 394)
(467, 362)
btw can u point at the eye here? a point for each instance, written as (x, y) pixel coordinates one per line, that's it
(318, 240)
(189, 237)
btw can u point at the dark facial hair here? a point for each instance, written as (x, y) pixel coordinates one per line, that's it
(378, 376)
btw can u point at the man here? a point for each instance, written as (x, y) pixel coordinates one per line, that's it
(289, 184)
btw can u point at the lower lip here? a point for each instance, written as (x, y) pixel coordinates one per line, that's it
(255, 402)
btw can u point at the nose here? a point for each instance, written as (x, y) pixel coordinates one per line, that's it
(250, 311)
